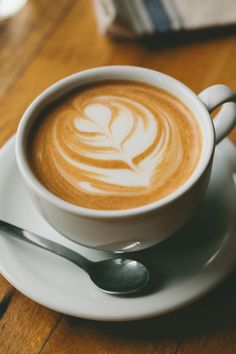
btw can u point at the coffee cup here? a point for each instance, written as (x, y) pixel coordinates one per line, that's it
(143, 226)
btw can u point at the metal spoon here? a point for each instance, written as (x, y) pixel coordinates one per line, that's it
(114, 276)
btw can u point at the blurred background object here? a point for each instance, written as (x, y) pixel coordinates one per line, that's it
(134, 18)
(9, 7)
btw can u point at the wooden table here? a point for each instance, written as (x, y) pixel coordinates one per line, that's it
(44, 42)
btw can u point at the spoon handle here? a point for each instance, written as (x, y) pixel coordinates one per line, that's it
(27, 236)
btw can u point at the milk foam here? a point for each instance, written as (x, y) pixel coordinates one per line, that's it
(112, 143)
(125, 136)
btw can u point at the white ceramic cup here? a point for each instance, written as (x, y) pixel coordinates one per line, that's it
(141, 227)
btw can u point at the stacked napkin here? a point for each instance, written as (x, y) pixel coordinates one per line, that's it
(133, 18)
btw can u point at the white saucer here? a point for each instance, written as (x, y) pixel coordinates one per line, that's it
(183, 268)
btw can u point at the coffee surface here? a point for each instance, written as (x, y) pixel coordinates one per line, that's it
(115, 145)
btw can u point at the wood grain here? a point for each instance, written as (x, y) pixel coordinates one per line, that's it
(77, 336)
(22, 36)
(40, 46)
(25, 326)
(6, 294)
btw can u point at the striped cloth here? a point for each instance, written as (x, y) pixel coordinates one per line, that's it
(132, 18)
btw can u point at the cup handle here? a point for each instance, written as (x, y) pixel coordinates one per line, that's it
(225, 120)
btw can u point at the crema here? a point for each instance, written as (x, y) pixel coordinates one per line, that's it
(115, 145)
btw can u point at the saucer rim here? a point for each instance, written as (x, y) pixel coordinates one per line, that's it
(215, 280)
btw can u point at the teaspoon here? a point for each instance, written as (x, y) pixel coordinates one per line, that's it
(114, 276)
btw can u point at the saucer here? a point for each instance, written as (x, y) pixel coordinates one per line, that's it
(183, 268)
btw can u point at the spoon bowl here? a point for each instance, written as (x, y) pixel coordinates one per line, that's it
(119, 276)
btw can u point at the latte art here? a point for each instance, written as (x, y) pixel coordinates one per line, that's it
(122, 134)
(115, 145)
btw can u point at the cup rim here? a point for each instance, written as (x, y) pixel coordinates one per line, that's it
(67, 84)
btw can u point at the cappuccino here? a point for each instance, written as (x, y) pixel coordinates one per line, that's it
(115, 145)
